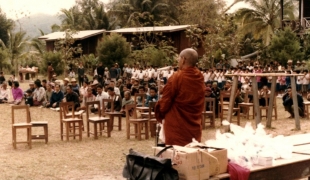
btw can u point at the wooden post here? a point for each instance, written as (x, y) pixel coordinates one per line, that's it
(295, 103)
(255, 101)
(232, 97)
(271, 101)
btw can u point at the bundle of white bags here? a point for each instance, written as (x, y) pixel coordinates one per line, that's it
(246, 146)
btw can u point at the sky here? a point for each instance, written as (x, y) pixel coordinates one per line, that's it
(15, 9)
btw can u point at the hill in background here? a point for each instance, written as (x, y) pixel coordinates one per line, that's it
(33, 23)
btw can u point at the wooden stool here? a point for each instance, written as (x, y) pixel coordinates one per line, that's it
(43, 124)
(306, 108)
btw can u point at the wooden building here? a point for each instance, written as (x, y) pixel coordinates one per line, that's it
(175, 33)
(87, 39)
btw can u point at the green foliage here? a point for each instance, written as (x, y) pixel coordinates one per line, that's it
(285, 45)
(84, 15)
(68, 49)
(113, 49)
(55, 59)
(153, 56)
(6, 25)
(4, 63)
(263, 18)
(137, 13)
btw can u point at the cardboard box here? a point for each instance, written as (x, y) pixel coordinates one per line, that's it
(221, 156)
(191, 163)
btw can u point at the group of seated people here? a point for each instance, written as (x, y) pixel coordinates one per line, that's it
(50, 95)
(245, 89)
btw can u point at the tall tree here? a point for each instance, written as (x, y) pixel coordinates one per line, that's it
(285, 45)
(203, 13)
(263, 19)
(5, 26)
(84, 15)
(133, 13)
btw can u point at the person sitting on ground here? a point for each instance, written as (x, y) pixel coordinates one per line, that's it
(72, 74)
(72, 96)
(126, 100)
(75, 86)
(48, 94)
(44, 83)
(12, 79)
(2, 78)
(38, 94)
(262, 95)
(57, 97)
(152, 97)
(88, 97)
(288, 103)
(63, 88)
(116, 98)
(17, 93)
(31, 88)
(28, 98)
(4, 93)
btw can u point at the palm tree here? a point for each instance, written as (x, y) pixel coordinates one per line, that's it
(17, 42)
(264, 17)
(143, 12)
(71, 19)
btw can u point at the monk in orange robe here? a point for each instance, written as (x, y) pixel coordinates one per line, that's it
(182, 102)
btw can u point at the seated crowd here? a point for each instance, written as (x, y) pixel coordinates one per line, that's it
(123, 85)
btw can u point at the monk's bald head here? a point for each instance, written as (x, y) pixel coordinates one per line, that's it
(190, 55)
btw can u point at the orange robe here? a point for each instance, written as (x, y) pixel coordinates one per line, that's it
(181, 106)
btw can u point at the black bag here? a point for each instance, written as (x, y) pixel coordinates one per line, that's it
(142, 167)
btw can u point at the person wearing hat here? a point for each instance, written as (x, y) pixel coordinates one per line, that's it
(38, 94)
(75, 86)
(31, 88)
(94, 87)
(64, 86)
(297, 66)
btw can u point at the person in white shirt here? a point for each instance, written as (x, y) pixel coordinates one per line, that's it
(4, 93)
(100, 95)
(116, 89)
(72, 74)
(170, 72)
(38, 94)
(299, 82)
(206, 75)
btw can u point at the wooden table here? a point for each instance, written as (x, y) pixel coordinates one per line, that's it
(284, 169)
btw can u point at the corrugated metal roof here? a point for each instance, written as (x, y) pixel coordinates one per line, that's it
(77, 36)
(152, 29)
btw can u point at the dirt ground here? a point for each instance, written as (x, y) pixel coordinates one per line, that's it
(89, 159)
